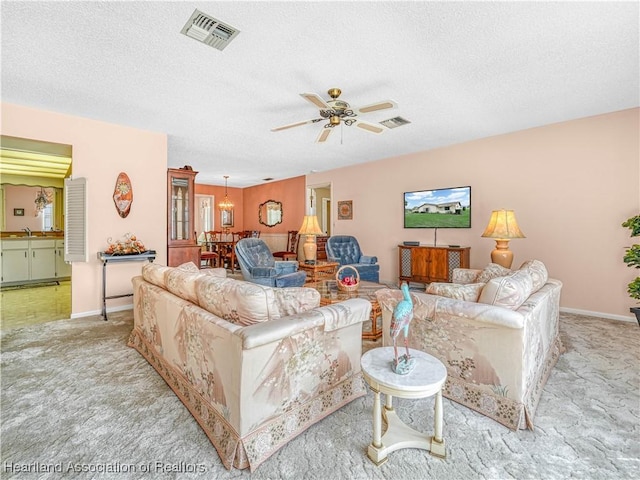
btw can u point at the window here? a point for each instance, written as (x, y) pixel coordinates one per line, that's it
(47, 217)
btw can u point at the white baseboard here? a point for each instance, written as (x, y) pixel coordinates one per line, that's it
(92, 313)
(609, 316)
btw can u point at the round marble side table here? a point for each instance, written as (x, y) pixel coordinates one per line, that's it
(425, 380)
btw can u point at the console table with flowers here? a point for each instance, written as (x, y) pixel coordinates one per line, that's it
(107, 258)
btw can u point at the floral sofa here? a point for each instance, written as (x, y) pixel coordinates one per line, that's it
(496, 331)
(254, 365)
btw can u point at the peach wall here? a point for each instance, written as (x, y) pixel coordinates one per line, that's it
(236, 197)
(100, 152)
(571, 185)
(22, 197)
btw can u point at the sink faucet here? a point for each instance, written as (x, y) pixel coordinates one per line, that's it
(27, 230)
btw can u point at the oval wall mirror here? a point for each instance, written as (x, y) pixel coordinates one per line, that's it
(270, 213)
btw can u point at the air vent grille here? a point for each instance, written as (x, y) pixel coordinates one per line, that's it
(209, 30)
(394, 122)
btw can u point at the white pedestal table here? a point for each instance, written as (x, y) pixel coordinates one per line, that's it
(425, 380)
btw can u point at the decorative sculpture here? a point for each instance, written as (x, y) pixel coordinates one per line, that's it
(123, 195)
(402, 316)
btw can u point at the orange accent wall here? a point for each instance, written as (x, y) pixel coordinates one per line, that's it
(236, 197)
(291, 192)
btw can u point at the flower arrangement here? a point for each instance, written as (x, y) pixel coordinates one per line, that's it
(129, 245)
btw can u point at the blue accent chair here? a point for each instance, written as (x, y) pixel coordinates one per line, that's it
(259, 266)
(345, 250)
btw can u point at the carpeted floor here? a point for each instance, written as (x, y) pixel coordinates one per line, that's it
(75, 397)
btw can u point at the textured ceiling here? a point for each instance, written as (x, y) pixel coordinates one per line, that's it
(458, 71)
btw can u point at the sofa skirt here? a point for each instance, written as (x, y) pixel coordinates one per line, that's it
(257, 446)
(510, 413)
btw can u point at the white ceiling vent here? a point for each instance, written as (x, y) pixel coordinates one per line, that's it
(209, 30)
(395, 122)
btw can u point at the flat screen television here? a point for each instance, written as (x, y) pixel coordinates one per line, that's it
(438, 208)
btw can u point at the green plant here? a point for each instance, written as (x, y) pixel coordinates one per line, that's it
(632, 256)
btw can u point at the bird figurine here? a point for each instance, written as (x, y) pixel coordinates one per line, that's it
(402, 316)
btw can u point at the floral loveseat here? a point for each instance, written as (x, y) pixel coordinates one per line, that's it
(254, 365)
(495, 330)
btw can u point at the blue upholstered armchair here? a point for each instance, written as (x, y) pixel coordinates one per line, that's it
(258, 265)
(345, 250)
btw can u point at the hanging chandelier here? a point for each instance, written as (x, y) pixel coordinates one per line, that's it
(42, 200)
(226, 203)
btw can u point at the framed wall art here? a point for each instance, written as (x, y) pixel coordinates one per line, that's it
(345, 210)
(18, 212)
(226, 218)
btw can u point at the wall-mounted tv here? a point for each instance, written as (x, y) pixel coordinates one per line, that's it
(438, 208)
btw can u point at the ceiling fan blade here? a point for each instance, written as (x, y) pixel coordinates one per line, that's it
(324, 135)
(316, 100)
(374, 107)
(369, 127)
(297, 124)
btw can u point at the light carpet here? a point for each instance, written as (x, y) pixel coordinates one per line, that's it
(75, 398)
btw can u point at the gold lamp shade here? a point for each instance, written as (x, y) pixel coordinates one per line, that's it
(310, 228)
(503, 227)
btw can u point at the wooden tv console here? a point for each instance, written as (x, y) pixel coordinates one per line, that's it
(426, 264)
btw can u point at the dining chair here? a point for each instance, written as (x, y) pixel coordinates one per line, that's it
(229, 254)
(209, 256)
(291, 253)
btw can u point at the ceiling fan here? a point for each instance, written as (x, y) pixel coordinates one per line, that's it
(338, 111)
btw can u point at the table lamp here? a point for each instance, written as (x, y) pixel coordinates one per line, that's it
(503, 227)
(310, 228)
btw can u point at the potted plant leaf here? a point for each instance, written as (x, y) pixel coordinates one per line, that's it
(632, 259)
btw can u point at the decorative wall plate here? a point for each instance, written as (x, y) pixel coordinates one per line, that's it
(345, 210)
(123, 195)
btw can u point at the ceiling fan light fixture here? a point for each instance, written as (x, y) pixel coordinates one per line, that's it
(334, 120)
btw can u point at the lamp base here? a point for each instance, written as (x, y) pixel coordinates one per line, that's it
(310, 249)
(502, 255)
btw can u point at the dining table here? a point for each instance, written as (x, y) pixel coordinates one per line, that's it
(225, 248)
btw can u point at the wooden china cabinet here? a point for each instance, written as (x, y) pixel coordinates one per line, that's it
(182, 246)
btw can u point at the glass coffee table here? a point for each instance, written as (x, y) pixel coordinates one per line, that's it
(329, 294)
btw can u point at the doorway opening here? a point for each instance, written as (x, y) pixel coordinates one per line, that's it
(319, 204)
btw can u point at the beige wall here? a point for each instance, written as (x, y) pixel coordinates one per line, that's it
(100, 152)
(571, 185)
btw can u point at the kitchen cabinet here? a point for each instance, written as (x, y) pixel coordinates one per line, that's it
(31, 260)
(15, 261)
(43, 259)
(63, 269)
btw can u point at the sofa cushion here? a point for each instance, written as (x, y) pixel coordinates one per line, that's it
(509, 291)
(538, 273)
(215, 272)
(244, 303)
(155, 273)
(468, 292)
(181, 282)
(294, 300)
(493, 270)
